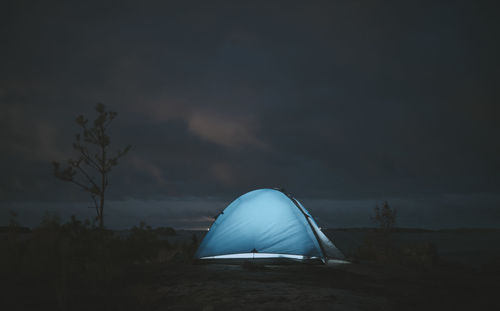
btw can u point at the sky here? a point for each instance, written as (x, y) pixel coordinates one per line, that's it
(343, 103)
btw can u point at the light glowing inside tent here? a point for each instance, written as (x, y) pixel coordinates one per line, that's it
(259, 255)
(266, 223)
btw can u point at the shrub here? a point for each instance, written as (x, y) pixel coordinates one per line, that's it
(59, 262)
(385, 216)
(379, 247)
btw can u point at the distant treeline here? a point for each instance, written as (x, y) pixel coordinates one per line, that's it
(169, 231)
(370, 229)
(158, 230)
(6, 229)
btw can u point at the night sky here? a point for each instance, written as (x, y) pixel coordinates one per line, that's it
(343, 103)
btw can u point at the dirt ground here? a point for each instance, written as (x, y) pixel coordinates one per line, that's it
(354, 286)
(329, 287)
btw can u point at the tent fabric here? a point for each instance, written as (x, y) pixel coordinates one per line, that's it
(265, 221)
(330, 250)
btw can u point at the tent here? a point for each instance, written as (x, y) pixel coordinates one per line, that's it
(266, 225)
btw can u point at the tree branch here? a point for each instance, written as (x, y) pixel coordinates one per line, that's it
(81, 185)
(93, 139)
(91, 161)
(96, 206)
(86, 176)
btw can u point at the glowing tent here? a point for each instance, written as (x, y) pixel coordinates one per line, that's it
(269, 225)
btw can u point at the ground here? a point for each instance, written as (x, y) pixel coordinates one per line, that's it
(331, 287)
(73, 268)
(355, 286)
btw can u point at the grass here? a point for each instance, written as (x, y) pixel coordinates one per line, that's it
(379, 246)
(75, 265)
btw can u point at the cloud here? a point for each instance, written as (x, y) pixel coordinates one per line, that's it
(46, 142)
(162, 108)
(223, 173)
(148, 167)
(230, 131)
(347, 107)
(27, 136)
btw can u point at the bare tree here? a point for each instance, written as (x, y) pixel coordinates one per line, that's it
(385, 216)
(90, 171)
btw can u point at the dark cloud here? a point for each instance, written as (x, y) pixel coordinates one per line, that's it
(352, 100)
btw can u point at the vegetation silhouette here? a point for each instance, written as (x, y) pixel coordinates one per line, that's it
(94, 162)
(381, 244)
(385, 216)
(79, 266)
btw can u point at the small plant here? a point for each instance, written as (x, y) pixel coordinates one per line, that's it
(50, 221)
(380, 246)
(90, 170)
(13, 223)
(58, 263)
(13, 227)
(385, 217)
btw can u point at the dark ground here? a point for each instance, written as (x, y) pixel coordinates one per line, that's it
(72, 267)
(343, 287)
(225, 287)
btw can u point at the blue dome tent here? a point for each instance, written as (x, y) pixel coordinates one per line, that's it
(267, 225)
